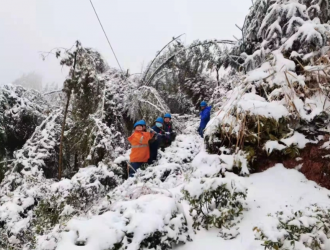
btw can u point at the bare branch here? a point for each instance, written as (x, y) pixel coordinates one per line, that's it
(238, 27)
(236, 38)
(45, 54)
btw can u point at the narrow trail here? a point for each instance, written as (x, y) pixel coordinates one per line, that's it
(152, 202)
(148, 211)
(141, 205)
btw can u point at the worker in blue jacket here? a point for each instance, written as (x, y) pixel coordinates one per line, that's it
(158, 139)
(205, 117)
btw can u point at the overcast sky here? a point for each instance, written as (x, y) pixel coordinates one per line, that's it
(136, 28)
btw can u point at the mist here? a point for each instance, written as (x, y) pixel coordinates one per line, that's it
(136, 29)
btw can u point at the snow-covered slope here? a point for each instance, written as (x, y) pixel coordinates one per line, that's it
(151, 211)
(277, 189)
(270, 113)
(129, 215)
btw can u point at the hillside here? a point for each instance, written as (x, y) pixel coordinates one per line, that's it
(258, 180)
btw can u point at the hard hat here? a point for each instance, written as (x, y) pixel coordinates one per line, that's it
(159, 119)
(140, 123)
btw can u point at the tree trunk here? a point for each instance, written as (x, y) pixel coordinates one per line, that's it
(76, 165)
(217, 69)
(60, 161)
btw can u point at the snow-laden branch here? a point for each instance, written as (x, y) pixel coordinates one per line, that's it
(144, 101)
(184, 49)
(152, 90)
(174, 39)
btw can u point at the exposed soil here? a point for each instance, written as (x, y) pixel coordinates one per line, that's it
(311, 162)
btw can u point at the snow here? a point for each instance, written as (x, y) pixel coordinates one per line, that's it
(276, 189)
(206, 165)
(326, 145)
(299, 166)
(222, 72)
(99, 232)
(297, 139)
(67, 210)
(181, 149)
(140, 207)
(150, 207)
(231, 181)
(307, 32)
(263, 108)
(62, 186)
(283, 64)
(256, 75)
(141, 218)
(146, 216)
(152, 200)
(270, 146)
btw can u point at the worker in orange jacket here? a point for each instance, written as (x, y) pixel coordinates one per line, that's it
(140, 148)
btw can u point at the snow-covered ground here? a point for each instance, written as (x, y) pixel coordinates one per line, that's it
(277, 189)
(151, 202)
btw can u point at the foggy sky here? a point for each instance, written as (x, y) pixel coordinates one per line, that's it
(137, 30)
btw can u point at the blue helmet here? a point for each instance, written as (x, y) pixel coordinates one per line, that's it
(203, 104)
(168, 115)
(140, 123)
(159, 119)
(143, 122)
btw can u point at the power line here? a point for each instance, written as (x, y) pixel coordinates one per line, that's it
(106, 35)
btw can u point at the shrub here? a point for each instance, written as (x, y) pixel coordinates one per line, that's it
(149, 222)
(215, 202)
(309, 228)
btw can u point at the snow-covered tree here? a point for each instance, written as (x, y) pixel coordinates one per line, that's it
(281, 103)
(83, 89)
(42, 148)
(21, 111)
(291, 26)
(175, 70)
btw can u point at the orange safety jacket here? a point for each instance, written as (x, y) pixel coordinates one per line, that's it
(140, 147)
